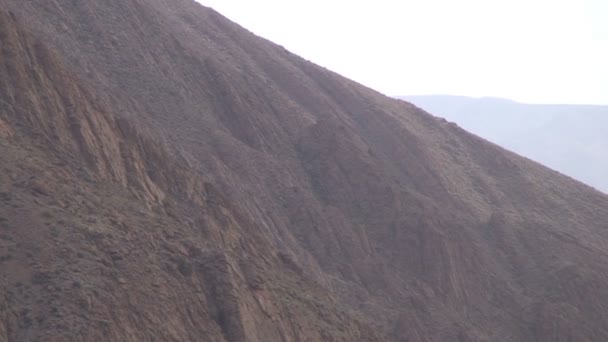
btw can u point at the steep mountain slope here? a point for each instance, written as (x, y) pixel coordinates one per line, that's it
(568, 138)
(104, 236)
(268, 199)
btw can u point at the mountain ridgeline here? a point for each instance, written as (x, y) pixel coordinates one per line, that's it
(568, 138)
(169, 176)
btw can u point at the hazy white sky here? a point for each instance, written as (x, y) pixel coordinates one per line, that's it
(548, 51)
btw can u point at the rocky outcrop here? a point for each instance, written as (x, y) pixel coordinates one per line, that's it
(107, 236)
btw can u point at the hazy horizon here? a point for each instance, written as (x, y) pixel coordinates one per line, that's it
(568, 138)
(482, 97)
(531, 52)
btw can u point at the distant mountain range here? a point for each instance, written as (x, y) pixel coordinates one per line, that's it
(571, 139)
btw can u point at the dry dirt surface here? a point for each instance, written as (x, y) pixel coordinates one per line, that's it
(165, 175)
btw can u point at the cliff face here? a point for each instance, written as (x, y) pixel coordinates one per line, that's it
(170, 176)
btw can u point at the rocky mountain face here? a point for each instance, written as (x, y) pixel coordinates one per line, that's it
(568, 138)
(106, 236)
(167, 175)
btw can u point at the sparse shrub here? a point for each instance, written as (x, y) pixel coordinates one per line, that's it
(3, 222)
(5, 196)
(185, 268)
(40, 278)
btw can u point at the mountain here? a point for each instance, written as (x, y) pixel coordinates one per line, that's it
(568, 138)
(169, 176)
